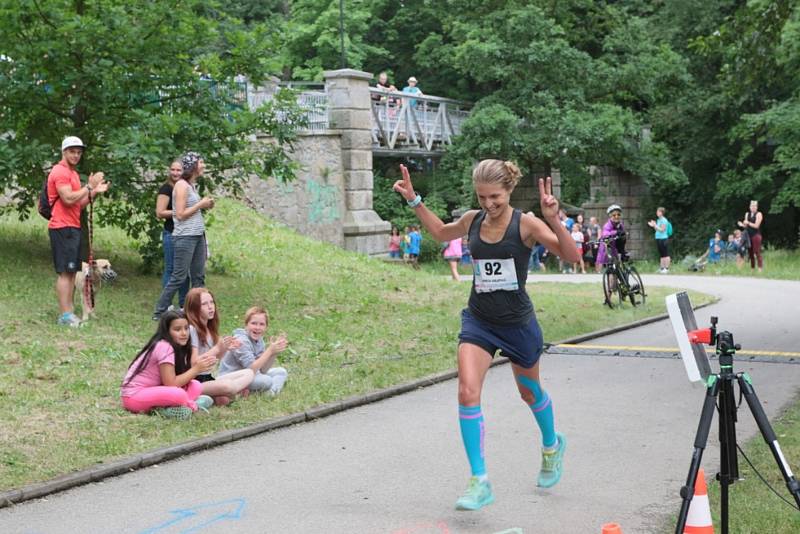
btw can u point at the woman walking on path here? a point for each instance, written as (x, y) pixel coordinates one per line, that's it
(164, 211)
(752, 224)
(189, 234)
(499, 315)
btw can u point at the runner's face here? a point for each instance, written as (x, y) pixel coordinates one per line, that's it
(493, 198)
(73, 155)
(256, 326)
(175, 171)
(207, 307)
(179, 331)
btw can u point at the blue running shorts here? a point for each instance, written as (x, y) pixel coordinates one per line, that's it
(522, 344)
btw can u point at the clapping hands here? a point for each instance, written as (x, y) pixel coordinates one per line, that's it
(278, 343)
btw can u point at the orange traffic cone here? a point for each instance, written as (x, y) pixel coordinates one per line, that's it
(698, 520)
(611, 528)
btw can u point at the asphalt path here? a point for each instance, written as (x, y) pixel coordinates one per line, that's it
(397, 466)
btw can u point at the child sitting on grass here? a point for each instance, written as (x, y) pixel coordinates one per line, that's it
(253, 353)
(160, 378)
(203, 316)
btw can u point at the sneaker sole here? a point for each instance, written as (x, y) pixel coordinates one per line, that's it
(472, 508)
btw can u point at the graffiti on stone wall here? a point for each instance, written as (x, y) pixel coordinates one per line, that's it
(323, 200)
(285, 188)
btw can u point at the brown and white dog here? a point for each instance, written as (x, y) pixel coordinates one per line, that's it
(101, 272)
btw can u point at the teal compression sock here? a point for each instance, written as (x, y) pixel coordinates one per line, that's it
(542, 409)
(470, 419)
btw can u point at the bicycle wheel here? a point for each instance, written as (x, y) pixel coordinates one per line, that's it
(635, 287)
(611, 289)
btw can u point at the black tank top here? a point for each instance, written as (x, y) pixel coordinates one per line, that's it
(751, 217)
(506, 306)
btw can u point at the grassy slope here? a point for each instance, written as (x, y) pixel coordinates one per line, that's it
(355, 324)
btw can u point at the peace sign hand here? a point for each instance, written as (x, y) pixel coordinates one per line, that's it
(404, 186)
(548, 202)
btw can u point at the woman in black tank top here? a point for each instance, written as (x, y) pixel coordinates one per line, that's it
(499, 315)
(752, 224)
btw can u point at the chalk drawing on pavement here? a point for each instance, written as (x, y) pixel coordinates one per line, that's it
(198, 517)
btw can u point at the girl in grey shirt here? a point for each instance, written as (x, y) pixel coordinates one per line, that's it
(254, 353)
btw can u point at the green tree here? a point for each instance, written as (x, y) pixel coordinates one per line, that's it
(140, 83)
(312, 41)
(551, 102)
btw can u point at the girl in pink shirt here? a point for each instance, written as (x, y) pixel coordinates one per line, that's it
(394, 243)
(161, 375)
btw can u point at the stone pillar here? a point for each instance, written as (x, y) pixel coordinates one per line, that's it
(612, 186)
(350, 109)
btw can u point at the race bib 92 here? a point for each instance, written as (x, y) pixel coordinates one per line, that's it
(495, 275)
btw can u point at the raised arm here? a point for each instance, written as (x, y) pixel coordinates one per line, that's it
(436, 227)
(96, 184)
(266, 359)
(552, 234)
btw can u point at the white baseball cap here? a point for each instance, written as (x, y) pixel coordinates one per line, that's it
(70, 142)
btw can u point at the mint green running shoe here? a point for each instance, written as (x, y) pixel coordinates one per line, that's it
(552, 464)
(204, 402)
(478, 495)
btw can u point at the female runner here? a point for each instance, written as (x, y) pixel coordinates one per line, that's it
(499, 315)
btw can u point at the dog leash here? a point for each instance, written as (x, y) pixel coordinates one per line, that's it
(88, 286)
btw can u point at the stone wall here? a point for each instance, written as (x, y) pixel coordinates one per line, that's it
(314, 203)
(526, 195)
(612, 186)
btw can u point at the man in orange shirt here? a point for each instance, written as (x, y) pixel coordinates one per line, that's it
(67, 197)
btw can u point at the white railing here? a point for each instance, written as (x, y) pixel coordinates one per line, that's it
(400, 121)
(406, 122)
(314, 103)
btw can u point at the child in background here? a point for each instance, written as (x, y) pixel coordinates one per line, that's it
(466, 256)
(253, 353)
(405, 244)
(394, 243)
(160, 377)
(415, 246)
(578, 237)
(741, 247)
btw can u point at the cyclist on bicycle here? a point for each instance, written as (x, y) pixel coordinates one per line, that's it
(613, 227)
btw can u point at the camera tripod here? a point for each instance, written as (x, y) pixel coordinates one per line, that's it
(720, 395)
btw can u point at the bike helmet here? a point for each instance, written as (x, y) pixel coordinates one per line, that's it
(612, 208)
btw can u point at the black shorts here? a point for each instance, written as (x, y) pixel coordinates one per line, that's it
(662, 247)
(65, 243)
(204, 378)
